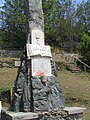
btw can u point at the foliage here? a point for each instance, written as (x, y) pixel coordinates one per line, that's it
(51, 20)
(83, 14)
(85, 48)
(63, 26)
(14, 23)
(64, 23)
(1, 36)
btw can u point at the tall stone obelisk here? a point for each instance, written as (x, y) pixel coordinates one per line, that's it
(36, 86)
(47, 95)
(35, 39)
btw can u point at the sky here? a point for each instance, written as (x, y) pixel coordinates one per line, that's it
(78, 1)
(1, 2)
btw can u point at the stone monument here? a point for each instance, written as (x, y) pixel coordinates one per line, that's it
(37, 86)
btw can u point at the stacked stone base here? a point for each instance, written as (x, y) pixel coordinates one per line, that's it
(68, 113)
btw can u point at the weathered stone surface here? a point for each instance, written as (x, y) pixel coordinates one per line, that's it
(37, 37)
(56, 97)
(19, 116)
(61, 115)
(36, 14)
(35, 17)
(5, 65)
(74, 110)
(47, 95)
(57, 115)
(17, 63)
(10, 53)
(21, 98)
(41, 105)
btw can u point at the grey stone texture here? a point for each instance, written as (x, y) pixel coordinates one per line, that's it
(21, 99)
(10, 53)
(36, 18)
(61, 116)
(47, 95)
(74, 110)
(19, 116)
(21, 95)
(46, 92)
(7, 64)
(57, 115)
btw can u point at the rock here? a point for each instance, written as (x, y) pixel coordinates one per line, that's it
(47, 93)
(5, 64)
(56, 96)
(41, 105)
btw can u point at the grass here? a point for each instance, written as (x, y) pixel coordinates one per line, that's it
(76, 86)
(8, 59)
(7, 77)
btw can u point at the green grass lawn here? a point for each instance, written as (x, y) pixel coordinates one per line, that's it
(7, 77)
(75, 86)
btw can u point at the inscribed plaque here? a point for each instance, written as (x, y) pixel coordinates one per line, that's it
(42, 50)
(41, 67)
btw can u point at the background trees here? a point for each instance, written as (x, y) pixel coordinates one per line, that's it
(65, 23)
(13, 25)
(84, 48)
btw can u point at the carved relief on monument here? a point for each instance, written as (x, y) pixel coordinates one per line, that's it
(37, 36)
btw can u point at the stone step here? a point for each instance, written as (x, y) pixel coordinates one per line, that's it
(73, 68)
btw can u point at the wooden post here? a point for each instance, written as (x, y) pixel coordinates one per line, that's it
(84, 68)
(11, 94)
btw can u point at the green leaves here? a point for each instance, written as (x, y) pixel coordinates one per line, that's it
(64, 23)
(85, 48)
(14, 23)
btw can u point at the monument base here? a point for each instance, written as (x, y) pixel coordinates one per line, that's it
(68, 113)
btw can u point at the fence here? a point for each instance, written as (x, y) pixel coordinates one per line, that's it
(85, 65)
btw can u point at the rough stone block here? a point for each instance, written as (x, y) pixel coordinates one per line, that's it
(18, 116)
(47, 95)
(17, 63)
(74, 110)
(68, 113)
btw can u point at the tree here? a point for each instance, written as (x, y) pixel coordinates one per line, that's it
(14, 23)
(83, 15)
(84, 48)
(67, 22)
(64, 23)
(62, 27)
(50, 8)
